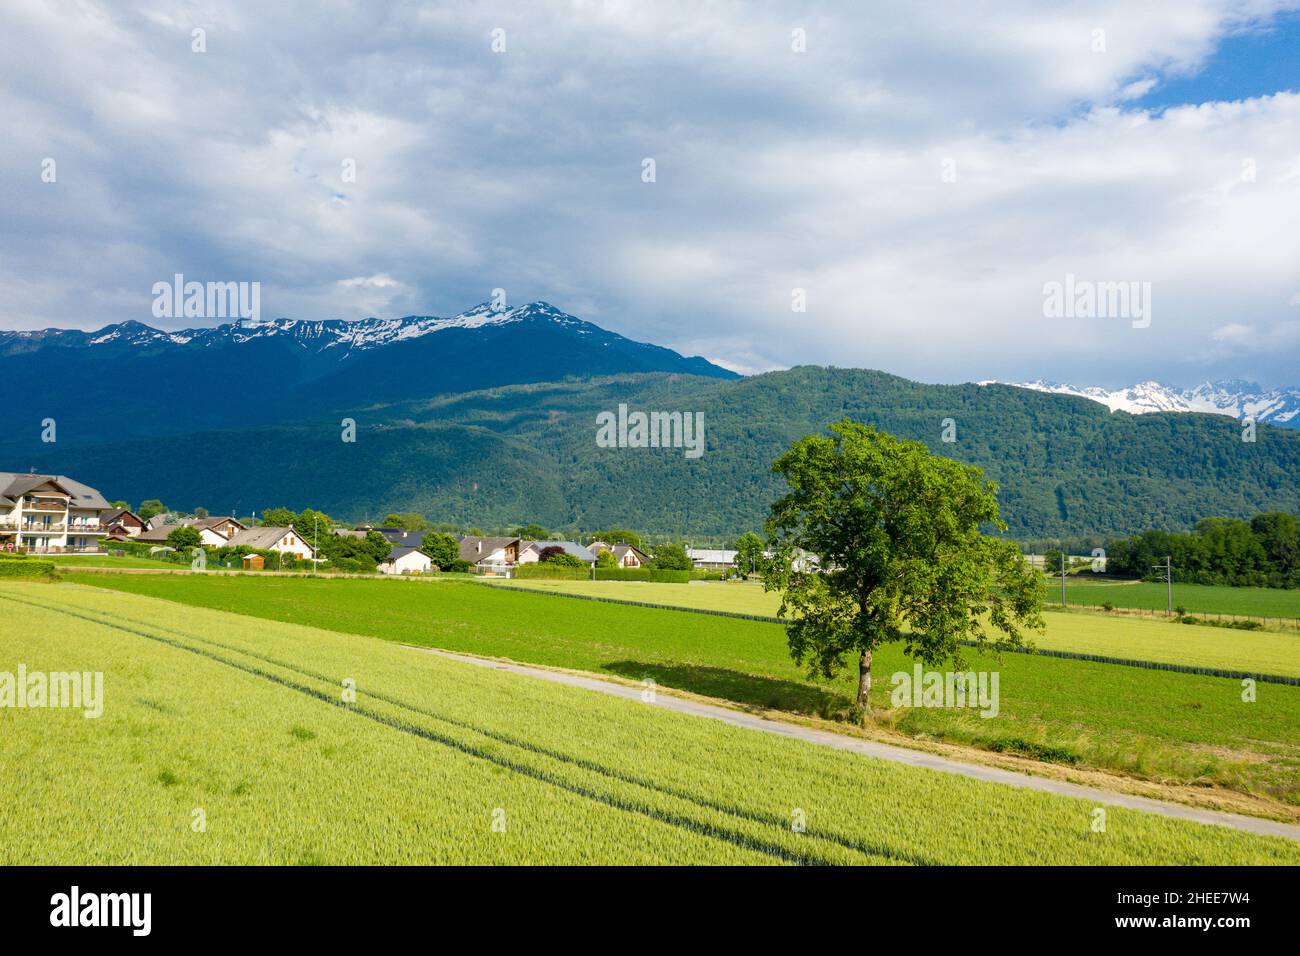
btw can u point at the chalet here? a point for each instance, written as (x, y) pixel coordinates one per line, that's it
(627, 556)
(491, 554)
(214, 532)
(284, 540)
(121, 523)
(530, 552)
(403, 560)
(50, 513)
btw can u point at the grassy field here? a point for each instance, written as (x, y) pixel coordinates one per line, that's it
(1262, 652)
(1155, 725)
(749, 597)
(243, 721)
(1088, 589)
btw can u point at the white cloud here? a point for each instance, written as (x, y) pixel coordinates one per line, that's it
(776, 169)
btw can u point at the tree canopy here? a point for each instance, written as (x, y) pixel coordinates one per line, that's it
(897, 532)
(184, 536)
(672, 557)
(1262, 552)
(749, 554)
(619, 536)
(407, 521)
(442, 549)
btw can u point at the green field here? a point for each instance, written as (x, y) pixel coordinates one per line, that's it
(1157, 725)
(1262, 652)
(243, 721)
(750, 598)
(1090, 590)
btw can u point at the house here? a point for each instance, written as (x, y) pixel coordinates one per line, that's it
(214, 532)
(712, 559)
(627, 555)
(491, 554)
(122, 523)
(530, 552)
(404, 560)
(284, 540)
(401, 537)
(805, 561)
(50, 513)
(348, 533)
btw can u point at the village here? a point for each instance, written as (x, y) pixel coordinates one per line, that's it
(55, 514)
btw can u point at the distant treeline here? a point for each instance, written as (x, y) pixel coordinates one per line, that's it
(1262, 552)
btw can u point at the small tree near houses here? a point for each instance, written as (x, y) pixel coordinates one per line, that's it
(897, 532)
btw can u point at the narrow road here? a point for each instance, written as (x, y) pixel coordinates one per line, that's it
(871, 748)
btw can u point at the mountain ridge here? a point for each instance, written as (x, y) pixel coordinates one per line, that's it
(133, 381)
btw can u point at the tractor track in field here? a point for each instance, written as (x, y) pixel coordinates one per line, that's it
(884, 751)
(737, 838)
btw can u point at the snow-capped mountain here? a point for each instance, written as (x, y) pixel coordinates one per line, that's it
(132, 380)
(313, 334)
(1278, 406)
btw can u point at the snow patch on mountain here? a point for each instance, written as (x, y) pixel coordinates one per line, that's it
(1236, 398)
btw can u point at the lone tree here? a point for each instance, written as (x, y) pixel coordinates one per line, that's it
(749, 553)
(897, 531)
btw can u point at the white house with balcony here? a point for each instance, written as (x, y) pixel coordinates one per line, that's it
(50, 514)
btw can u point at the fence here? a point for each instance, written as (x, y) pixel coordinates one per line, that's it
(1277, 623)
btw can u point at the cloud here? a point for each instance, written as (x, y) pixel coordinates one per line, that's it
(920, 175)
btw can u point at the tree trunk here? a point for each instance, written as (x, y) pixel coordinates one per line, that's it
(864, 684)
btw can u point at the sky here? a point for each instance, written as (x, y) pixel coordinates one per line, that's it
(891, 186)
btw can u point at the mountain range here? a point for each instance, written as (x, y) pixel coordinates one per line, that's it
(489, 418)
(1277, 406)
(129, 380)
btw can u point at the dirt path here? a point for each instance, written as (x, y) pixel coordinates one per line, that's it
(882, 751)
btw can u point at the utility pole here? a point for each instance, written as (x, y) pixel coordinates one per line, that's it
(315, 535)
(1062, 577)
(1168, 568)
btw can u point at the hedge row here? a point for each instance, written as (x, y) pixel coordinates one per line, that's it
(26, 569)
(558, 572)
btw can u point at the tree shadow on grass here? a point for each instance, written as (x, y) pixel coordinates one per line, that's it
(748, 689)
